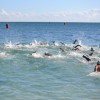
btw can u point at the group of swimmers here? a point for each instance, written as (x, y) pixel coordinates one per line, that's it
(97, 67)
(76, 46)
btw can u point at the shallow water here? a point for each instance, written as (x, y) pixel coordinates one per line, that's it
(62, 76)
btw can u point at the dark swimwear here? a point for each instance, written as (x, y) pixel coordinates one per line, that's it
(77, 46)
(75, 41)
(88, 59)
(47, 54)
(91, 54)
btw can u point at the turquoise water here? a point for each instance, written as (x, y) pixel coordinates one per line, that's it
(62, 76)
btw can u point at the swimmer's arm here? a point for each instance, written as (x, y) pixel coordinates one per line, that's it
(95, 69)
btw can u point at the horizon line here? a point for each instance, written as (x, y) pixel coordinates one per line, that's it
(51, 21)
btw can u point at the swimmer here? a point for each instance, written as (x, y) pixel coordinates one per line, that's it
(77, 47)
(63, 44)
(62, 50)
(92, 51)
(76, 41)
(86, 57)
(34, 52)
(43, 43)
(47, 54)
(53, 43)
(97, 67)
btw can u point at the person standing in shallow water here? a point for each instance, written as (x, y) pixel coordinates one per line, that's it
(97, 67)
(7, 25)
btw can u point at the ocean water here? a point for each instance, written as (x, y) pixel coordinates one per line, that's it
(25, 75)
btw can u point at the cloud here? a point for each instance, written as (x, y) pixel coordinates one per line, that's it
(3, 12)
(79, 16)
(90, 13)
(15, 16)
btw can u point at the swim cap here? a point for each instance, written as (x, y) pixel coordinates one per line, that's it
(92, 49)
(98, 63)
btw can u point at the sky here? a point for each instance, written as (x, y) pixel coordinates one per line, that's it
(49, 10)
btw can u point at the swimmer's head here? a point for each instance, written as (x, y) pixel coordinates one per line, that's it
(98, 63)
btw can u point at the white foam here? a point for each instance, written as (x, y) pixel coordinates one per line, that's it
(75, 54)
(34, 43)
(95, 58)
(2, 54)
(28, 46)
(69, 45)
(6, 55)
(56, 56)
(95, 74)
(13, 46)
(82, 60)
(57, 44)
(97, 50)
(38, 43)
(42, 46)
(37, 55)
(10, 45)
